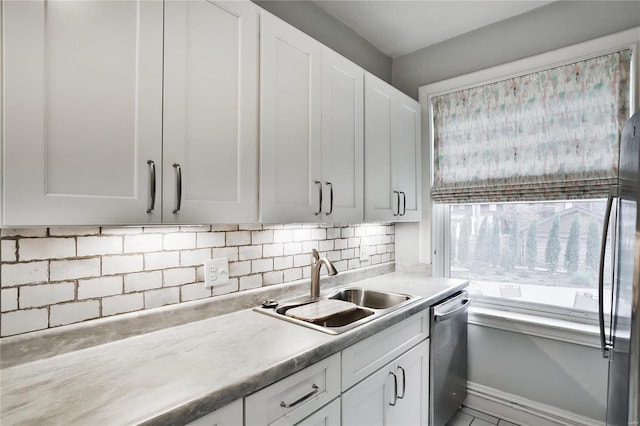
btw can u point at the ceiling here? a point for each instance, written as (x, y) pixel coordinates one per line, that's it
(398, 27)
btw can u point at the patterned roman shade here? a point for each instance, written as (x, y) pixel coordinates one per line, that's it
(549, 135)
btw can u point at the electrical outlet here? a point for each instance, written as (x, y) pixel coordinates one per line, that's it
(216, 272)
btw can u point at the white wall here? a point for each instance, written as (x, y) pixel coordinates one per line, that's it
(568, 376)
(559, 24)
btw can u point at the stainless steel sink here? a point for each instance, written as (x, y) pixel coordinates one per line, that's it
(370, 298)
(370, 304)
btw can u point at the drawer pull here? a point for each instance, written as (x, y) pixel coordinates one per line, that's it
(395, 389)
(304, 398)
(404, 382)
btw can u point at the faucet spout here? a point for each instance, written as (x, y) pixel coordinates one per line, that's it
(315, 272)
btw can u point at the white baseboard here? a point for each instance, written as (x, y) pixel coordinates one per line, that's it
(520, 410)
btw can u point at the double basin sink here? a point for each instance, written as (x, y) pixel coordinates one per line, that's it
(369, 305)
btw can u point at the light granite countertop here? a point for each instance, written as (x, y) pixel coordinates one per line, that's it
(177, 374)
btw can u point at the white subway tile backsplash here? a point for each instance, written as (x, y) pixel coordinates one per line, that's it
(65, 275)
(164, 296)
(230, 253)
(161, 260)
(179, 241)
(237, 269)
(227, 288)
(8, 299)
(24, 273)
(61, 270)
(275, 277)
(122, 264)
(69, 313)
(35, 296)
(194, 257)
(250, 252)
(179, 276)
(261, 265)
(302, 260)
(262, 237)
(318, 234)
(210, 239)
(193, 292)
(285, 262)
(121, 304)
(8, 251)
(99, 287)
(46, 248)
(124, 230)
(238, 238)
(23, 321)
(97, 246)
(23, 232)
(301, 234)
(142, 281)
(142, 243)
(292, 274)
(250, 281)
(292, 248)
(272, 250)
(282, 236)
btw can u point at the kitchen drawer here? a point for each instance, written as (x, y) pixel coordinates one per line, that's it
(229, 415)
(293, 398)
(368, 355)
(328, 415)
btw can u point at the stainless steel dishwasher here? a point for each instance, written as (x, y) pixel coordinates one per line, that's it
(448, 357)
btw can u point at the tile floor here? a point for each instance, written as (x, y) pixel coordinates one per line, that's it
(470, 417)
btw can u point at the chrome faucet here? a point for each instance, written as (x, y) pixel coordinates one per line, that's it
(315, 272)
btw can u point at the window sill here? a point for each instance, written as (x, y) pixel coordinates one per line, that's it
(533, 325)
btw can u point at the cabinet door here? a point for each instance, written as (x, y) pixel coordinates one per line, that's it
(412, 372)
(407, 166)
(290, 111)
(368, 403)
(210, 112)
(229, 415)
(380, 199)
(82, 111)
(342, 138)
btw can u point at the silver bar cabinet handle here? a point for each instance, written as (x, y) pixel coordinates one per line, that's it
(152, 185)
(398, 204)
(395, 389)
(317, 182)
(307, 396)
(404, 381)
(330, 198)
(404, 204)
(178, 187)
(605, 345)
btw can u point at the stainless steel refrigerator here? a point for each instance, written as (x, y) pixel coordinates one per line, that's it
(620, 328)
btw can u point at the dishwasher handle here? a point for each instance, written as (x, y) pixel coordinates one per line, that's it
(452, 313)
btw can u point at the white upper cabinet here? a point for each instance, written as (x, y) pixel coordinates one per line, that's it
(90, 138)
(82, 111)
(210, 112)
(290, 136)
(342, 138)
(311, 129)
(392, 153)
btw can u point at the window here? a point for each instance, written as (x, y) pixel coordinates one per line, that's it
(543, 253)
(523, 157)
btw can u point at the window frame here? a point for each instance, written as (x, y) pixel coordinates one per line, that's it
(437, 241)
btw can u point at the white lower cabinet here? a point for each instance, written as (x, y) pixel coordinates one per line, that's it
(295, 398)
(229, 415)
(381, 380)
(396, 394)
